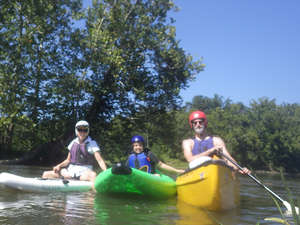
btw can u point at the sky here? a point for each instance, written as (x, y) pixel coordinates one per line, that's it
(251, 48)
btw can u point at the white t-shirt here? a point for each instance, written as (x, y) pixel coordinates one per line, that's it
(92, 145)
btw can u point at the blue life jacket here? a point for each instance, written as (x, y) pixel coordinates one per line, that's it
(140, 161)
(202, 146)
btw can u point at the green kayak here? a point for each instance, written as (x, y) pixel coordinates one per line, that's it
(121, 179)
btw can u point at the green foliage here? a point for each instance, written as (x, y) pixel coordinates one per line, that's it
(34, 41)
(262, 136)
(122, 69)
(132, 58)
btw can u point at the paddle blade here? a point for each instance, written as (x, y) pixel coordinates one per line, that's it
(289, 208)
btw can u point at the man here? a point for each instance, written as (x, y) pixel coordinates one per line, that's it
(79, 162)
(144, 159)
(203, 144)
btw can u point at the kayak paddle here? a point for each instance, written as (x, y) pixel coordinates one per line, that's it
(285, 203)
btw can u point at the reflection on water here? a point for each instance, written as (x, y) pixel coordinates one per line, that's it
(190, 215)
(76, 208)
(120, 210)
(53, 208)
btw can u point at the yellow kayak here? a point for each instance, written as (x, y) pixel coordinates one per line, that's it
(211, 185)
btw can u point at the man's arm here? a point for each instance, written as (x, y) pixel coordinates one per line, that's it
(219, 143)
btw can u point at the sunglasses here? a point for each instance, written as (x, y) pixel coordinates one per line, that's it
(198, 122)
(83, 130)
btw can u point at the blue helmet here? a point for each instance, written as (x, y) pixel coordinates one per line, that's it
(137, 138)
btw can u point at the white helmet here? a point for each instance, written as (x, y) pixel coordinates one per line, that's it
(81, 123)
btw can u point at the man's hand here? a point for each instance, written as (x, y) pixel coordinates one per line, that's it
(219, 152)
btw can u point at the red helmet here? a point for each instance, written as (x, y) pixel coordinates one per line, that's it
(197, 115)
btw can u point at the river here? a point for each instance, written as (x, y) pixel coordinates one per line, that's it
(76, 208)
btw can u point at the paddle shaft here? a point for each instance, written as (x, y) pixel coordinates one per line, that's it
(253, 178)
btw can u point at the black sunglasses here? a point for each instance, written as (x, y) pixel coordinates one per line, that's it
(198, 122)
(83, 130)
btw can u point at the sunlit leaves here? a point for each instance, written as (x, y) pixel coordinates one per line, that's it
(120, 60)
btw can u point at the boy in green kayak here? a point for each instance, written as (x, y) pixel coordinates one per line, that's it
(143, 159)
(79, 162)
(204, 145)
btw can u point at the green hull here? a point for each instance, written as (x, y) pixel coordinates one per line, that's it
(135, 182)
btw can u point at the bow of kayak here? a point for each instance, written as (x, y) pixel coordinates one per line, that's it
(127, 181)
(211, 185)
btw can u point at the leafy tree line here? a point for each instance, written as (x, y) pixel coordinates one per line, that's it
(261, 136)
(60, 62)
(122, 70)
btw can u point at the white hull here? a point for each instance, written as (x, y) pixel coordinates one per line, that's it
(43, 185)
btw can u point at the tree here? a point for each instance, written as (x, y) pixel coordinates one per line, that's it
(34, 38)
(134, 65)
(132, 58)
(263, 136)
(121, 62)
(207, 104)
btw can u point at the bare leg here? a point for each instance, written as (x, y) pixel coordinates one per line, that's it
(64, 173)
(89, 176)
(50, 174)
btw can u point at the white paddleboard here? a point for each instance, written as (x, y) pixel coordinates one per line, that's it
(43, 185)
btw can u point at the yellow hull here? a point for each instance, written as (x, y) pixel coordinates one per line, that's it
(212, 186)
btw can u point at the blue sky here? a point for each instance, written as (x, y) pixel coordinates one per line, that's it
(251, 48)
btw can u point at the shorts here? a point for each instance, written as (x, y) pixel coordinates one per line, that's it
(76, 171)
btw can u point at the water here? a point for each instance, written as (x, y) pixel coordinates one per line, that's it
(18, 207)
